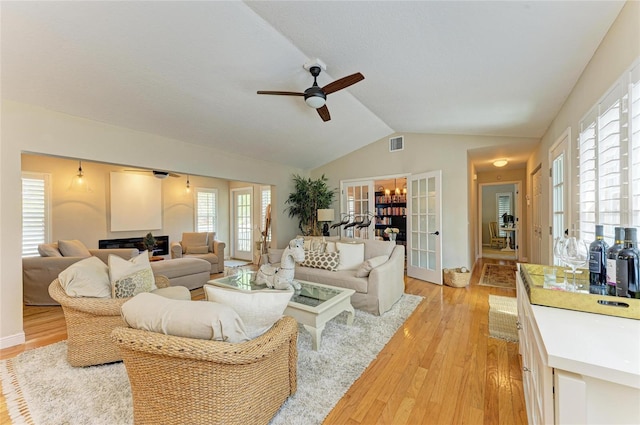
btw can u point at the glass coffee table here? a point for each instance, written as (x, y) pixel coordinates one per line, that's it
(313, 306)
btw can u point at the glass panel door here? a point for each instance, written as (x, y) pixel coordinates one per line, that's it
(424, 245)
(242, 239)
(358, 206)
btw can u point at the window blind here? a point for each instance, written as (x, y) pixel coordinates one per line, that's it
(503, 207)
(35, 212)
(206, 199)
(634, 144)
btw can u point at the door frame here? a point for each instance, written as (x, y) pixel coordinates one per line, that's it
(565, 137)
(517, 213)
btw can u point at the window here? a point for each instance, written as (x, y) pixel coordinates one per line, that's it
(503, 206)
(265, 202)
(35, 212)
(608, 153)
(206, 209)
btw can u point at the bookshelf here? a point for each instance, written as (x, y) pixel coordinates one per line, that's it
(391, 211)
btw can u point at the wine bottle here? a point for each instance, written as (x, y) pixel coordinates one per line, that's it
(598, 263)
(627, 266)
(612, 255)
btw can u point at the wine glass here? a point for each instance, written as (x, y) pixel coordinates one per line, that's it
(574, 253)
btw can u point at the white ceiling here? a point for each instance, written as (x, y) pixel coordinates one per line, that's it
(190, 70)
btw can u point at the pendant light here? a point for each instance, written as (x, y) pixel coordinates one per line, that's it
(79, 182)
(188, 185)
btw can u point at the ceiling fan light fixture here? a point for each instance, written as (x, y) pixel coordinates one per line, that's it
(500, 163)
(315, 100)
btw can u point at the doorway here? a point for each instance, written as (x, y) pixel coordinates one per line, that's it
(242, 201)
(498, 203)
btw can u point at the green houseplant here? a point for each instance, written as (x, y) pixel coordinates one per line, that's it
(149, 243)
(309, 196)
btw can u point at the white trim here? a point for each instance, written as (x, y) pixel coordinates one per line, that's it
(12, 340)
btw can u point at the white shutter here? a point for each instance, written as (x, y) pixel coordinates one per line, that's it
(587, 177)
(206, 207)
(503, 207)
(35, 212)
(634, 145)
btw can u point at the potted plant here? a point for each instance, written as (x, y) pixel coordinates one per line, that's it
(149, 243)
(309, 196)
(392, 233)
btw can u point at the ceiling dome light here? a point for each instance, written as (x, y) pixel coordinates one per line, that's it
(500, 163)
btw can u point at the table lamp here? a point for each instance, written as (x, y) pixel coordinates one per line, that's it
(326, 215)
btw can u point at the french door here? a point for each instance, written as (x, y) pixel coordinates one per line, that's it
(357, 204)
(242, 201)
(560, 183)
(424, 240)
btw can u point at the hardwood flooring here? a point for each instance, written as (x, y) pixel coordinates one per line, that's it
(441, 367)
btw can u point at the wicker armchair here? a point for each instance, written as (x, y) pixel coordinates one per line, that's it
(89, 325)
(177, 380)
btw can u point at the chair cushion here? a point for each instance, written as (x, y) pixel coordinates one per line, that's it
(351, 255)
(370, 264)
(173, 292)
(196, 249)
(259, 310)
(188, 319)
(190, 239)
(73, 248)
(86, 278)
(49, 250)
(130, 277)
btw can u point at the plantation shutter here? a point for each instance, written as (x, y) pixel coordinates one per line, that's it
(504, 207)
(35, 212)
(587, 171)
(206, 210)
(634, 145)
(265, 200)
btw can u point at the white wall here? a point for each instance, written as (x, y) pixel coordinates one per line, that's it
(619, 48)
(27, 128)
(426, 152)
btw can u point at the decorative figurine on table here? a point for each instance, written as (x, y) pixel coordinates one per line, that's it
(282, 277)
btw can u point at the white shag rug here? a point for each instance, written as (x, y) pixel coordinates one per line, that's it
(41, 388)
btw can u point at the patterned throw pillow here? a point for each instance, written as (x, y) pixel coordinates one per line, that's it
(322, 260)
(129, 278)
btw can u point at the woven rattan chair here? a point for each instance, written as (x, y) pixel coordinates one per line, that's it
(89, 325)
(176, 380)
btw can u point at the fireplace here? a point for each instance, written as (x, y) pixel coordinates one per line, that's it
(162, 244)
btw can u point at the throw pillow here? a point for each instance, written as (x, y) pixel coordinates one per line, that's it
(351, 255)
(275, 255)
(188, 319)
(259, 310)
(49, 250)
(130, 277)
(314, 243)
(196, 249)
(322, 260)
(73, 248)
(86, 278)
(330, 247)
(371, 264)
(193, 239)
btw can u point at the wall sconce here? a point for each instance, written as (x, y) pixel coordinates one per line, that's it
(188, 185)
(500, 163)
(79, 182)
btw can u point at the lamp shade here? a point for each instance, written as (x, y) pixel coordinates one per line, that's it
(326, 214)
(315, 101)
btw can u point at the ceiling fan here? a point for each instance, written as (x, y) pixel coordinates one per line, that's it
(157, 173)
(316, 96)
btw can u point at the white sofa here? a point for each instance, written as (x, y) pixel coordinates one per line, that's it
(375, 293)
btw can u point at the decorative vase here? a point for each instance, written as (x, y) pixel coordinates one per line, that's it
(392, 236)
(150, 253)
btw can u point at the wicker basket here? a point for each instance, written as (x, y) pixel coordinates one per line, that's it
(457, 278)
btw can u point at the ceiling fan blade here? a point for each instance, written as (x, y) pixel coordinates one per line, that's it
(323, 111)
(281, 93)
(342, 83)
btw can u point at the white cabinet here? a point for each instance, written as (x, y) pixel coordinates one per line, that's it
(578, 368)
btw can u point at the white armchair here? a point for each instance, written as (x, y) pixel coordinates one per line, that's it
(201, 245)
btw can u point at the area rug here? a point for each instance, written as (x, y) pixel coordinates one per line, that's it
(498, 275)
(503, 316)
(41, 388)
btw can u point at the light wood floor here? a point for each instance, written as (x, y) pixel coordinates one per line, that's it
(441, 367)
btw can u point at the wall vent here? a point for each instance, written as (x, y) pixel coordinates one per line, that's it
(396, 143)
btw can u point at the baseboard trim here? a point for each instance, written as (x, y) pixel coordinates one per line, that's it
(12, 340)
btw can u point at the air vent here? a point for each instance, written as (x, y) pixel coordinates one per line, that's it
(396, 143)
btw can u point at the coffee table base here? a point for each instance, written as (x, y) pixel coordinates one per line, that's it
(315, 323)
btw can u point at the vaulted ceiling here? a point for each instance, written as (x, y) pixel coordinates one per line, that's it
(190, 70)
